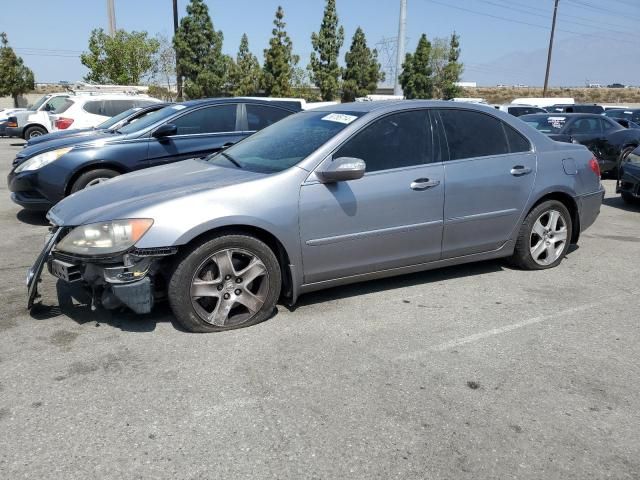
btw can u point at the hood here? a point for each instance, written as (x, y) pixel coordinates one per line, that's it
(60, 134)
(66, 141)
(123, 196)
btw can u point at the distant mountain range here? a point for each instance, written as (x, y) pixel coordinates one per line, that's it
(576, 61)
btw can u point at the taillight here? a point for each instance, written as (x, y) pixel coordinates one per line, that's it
(63, 123)
(12, 124)
(595, 166)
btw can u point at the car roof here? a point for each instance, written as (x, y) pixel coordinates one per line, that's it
(568, 115)
(393, 104)
(219, 100)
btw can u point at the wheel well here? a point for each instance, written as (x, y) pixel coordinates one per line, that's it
(269, 239)
(569, 202)
(27, 127)
(88, 168)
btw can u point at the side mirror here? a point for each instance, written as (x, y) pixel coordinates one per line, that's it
(342, 169)
(165, 130)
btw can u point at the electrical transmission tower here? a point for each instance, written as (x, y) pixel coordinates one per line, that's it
(387, 49)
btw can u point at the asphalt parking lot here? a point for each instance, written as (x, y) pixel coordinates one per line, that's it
(477, 371)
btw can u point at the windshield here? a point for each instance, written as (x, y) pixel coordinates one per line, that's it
(287, 142)
(39, 103)
(152, 118)
(113, 120)
(546, 124)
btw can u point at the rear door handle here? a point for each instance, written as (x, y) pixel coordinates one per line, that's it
(519, 170)
(424, 184)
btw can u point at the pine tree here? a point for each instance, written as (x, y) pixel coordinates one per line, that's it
(15, 77)
(325, 71)
(199, 49)
(362, 73)
(417, 75)
(279, 60)
(452, 70)
(246, 73)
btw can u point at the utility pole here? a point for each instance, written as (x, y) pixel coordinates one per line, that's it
(402, 26)
(175, 31)
(553, 31)
(111, 13)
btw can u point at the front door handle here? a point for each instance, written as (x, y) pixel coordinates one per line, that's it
(424, 184)
(520, 170)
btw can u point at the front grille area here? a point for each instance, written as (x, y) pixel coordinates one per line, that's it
(154, 252)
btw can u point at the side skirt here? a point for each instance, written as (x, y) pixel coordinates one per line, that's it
(504, 251)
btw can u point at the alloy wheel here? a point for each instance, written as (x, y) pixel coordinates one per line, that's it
(548, 237)
(229, 287)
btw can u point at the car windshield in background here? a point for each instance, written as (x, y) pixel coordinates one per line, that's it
(546, 124)
(152, 118)
(287, 142)
(113, 120)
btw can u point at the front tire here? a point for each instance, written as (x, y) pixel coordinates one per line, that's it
(32, 132)
(228, 282)
(544, 237)
(93, 177)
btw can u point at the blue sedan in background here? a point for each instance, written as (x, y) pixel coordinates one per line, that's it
(45, 173)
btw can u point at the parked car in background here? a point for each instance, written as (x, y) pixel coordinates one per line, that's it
(35, 120)
(45, 173)
(323, 198)
(519, 110)
(83, 111)
(626, 123)
(628, 184)
(609, 141)
(632, 114)
(5, 113)
(112, 124)
(576, 108)
(543, 102)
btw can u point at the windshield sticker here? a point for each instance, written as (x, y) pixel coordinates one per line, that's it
(556, 122)
(340, 118)
(178, 107)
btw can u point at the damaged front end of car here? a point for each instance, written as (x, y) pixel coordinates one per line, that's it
(102, 259)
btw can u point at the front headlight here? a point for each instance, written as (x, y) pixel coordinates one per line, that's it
(105, 237)
(41, 160)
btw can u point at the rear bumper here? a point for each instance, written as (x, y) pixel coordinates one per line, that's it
(14, 131)
(589, 208)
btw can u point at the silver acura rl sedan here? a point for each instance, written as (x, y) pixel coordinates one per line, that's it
(322, 198)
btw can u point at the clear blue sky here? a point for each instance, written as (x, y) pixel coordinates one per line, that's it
(50, 34)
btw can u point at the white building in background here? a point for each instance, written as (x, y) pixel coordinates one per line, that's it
(467, 84)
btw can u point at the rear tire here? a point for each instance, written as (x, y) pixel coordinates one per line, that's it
(629, 199)
(34, 131)
(93, 177)
(228, 282)
(544, 238)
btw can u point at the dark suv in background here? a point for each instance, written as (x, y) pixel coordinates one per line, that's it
(45, 173)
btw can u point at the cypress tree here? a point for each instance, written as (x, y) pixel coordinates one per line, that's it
(199, 50)
(362, 72)
(246, 73)
(279, 60)
(325, 71)
(452, 70)
(417, 75)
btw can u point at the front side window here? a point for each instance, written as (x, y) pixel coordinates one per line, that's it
(394, 141)
(473, 134)
(216, 119)
(261, 116)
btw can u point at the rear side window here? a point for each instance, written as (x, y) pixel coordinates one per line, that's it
(216, 119)
(398, 140)
(64, 107)
(587, 126)
(473, 134)
(261, 116)
(95, 107)
(116, 107)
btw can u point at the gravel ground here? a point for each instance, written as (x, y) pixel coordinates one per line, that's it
(471, 372)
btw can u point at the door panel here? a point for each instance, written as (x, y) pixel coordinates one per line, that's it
(374, 223)
(391, 217)
(483, 202)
